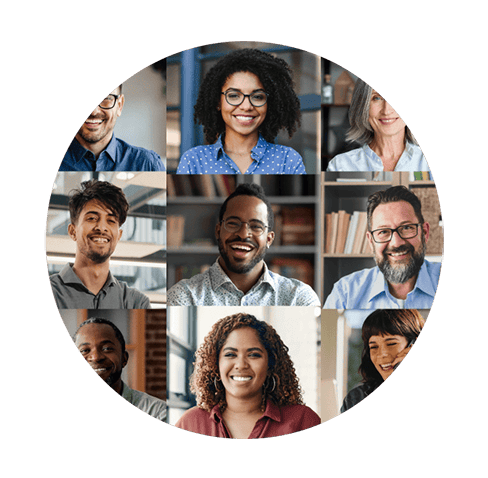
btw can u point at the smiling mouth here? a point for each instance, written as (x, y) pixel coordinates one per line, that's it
(101, 370)
(388, 120)
(99, 239)
(238, 378)
(244, 119)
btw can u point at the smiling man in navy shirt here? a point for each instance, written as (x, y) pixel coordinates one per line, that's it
(95, 148)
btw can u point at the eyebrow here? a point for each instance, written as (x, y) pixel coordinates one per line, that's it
(237, 89)
(403, 223)
(233, 349)
(103, 342)
(250, 220)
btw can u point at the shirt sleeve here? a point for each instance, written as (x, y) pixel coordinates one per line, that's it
(307, 297)
(337, 298)
(184, 166)
(295, 163)
(156, 163)
(179, 295)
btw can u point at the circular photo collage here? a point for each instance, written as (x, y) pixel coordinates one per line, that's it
(244, 240)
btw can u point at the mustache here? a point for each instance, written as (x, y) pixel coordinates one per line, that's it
(396, 250)
(242, 241)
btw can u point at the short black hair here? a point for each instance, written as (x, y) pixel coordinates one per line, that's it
(276, 76)
(394, 194)
(99, 320)
(108, 194)
(250, 189)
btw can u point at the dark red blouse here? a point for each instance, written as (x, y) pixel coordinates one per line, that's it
(275, 421)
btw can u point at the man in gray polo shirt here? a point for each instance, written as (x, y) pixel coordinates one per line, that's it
(103, 346)
(97, 211)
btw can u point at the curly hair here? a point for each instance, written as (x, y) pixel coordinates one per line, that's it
(405, 322)
(283, 390)
(275, 75)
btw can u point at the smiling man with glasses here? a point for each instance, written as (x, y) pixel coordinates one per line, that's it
(95, 147)
(402, 278)
(240, 276)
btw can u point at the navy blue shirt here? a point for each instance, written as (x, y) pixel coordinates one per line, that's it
(117, 156)
(268, 158)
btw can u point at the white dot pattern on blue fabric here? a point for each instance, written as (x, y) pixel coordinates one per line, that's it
(267, 158)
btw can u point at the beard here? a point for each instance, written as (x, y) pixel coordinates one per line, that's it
(114, 377)
(401, 273)
(243, 268)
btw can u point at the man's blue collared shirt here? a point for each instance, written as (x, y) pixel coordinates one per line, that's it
(117, 156)
(368, 289)
(268, 158)
(214, 287)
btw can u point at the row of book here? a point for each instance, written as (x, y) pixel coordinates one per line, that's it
(345, 233)
(206, 185)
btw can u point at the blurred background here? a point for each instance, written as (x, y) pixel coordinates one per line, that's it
(140, 256)
(298, 327)
(186, 70)
(342, 347)
(144, 331)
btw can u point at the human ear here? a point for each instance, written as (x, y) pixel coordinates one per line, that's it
(270, 238)
(370, 241)
(72, 231)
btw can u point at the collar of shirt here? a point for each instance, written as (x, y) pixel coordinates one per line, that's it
(272, 411)
(380, 285)
(79, 152)
(218, 277)
(257, 153)
(406, 156)
(69, 276)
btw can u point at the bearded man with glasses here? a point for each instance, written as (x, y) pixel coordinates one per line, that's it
(402, 278)
(240, 276)
(95, 147)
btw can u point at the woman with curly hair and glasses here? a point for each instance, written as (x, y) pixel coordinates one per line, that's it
(386, 143)
(245, 384)
(388, 335)
(243, 102)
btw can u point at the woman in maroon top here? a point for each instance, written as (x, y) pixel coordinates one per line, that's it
(245, 384)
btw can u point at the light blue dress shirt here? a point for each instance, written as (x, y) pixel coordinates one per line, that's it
(365, 159)
(268, 158)
(214, 287)
(368, 289)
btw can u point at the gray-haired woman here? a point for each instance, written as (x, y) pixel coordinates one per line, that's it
(386, 142)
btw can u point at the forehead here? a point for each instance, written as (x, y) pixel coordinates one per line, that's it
(247, 207)
(393, 214)
(94, 205)
(96, 333)
(243, 80)
(244, 337)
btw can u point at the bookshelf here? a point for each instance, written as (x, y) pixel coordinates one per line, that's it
(349, 192)
(193, 209)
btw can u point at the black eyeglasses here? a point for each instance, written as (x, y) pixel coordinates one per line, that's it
(407, 231)
(234, 225)
(236, 97)
(109, 102)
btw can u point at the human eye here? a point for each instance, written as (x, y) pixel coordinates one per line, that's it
(382, 233)
(233, 95)
(256, 227)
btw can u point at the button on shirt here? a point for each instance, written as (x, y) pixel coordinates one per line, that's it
(365, 159)
(214, 287)
(147, 403)
(117, 156)
(267, 158)
(70, 293)
(368, 289)
(275, 421)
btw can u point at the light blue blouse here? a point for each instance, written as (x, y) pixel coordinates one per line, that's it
(365, 159)
(268, 158)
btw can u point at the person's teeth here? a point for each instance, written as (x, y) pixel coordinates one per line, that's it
(243, 248)
(241, 379)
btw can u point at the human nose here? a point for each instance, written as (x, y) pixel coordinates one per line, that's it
(95, 356)
(101, 225)
(241, 363)
(247, 229)
(387, 109)
(396, 239)
(246, 103)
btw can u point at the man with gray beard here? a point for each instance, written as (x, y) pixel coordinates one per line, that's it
(402, 278)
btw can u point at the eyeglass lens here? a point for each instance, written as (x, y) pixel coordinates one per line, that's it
(235, 98)
(408, 231)
(234, 225)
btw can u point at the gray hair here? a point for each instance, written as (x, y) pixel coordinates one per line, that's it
(361, 131)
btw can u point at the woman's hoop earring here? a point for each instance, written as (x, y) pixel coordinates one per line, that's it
(215, 383)
(274, 384)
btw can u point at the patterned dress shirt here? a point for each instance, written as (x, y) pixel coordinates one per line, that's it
(214, 287)
(268, 158)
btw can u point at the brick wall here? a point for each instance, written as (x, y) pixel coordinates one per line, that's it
(156, 353)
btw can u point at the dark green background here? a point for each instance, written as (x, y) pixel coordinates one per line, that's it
(58, 418)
